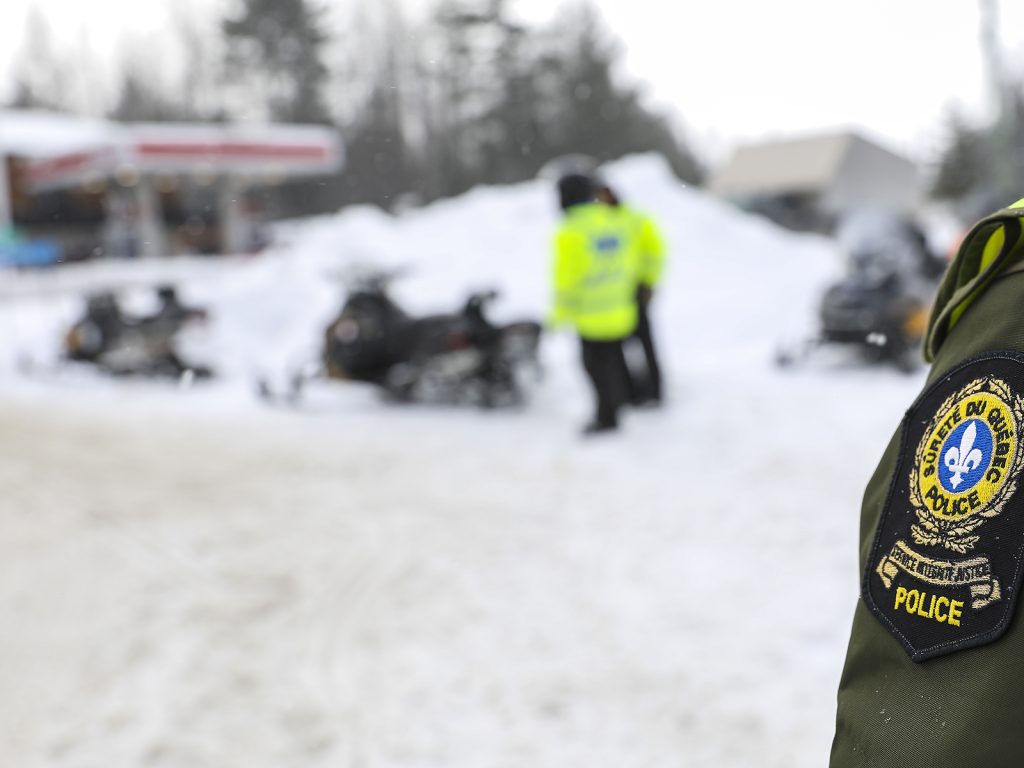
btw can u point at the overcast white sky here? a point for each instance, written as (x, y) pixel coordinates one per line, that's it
(733, 70)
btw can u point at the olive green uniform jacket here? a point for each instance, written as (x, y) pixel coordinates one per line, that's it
(964, 708)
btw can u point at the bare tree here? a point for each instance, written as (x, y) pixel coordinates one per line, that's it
(41, 74)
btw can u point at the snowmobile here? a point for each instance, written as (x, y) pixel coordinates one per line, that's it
(124, 345)
(880, 307)
(460, 357)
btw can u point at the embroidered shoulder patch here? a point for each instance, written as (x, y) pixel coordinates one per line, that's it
(945, 569)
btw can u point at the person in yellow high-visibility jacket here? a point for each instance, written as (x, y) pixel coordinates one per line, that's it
(644, 386)
(596, 272)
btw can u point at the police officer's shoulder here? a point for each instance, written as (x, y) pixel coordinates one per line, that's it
(936, 640)
(992, 246)
(942, 575)
(623, 215)
(589, 214)
(637, 218)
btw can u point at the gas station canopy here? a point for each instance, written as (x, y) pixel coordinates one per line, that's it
(248, 152)
(62, 152)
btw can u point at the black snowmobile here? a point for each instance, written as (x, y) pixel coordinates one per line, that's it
(880, 307)
(125, 345)
(882, 319)
(450, 358)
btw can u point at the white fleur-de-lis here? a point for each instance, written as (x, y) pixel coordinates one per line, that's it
(960, 461)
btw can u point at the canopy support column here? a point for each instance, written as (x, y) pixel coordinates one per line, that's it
(231, 210)
(6, 211)
(151, 223)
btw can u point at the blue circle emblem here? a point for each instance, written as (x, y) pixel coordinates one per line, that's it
(965, 456)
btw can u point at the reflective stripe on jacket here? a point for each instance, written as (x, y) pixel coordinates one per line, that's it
(650, 247)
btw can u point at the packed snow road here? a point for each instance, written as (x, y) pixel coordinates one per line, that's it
(267, 589)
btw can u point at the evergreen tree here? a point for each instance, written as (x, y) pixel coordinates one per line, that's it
(456, 150)
(379, 167)
(139, 101)
(513, 147)
(141, 95)
(374, 88)
(274, 59)
(966, 165)
(275, 50)
(202, 87)
(604, 117)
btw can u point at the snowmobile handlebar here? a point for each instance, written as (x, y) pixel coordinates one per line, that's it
(371, 280)
(483, 297)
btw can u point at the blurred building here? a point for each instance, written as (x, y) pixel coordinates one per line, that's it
(56, 224)
(807, 183)
(89, 187)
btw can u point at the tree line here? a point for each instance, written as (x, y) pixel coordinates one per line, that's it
(981, 164)
(467, 94)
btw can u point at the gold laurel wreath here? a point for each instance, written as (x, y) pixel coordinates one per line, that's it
(957, 535)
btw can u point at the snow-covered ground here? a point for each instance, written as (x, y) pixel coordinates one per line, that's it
(189, 578)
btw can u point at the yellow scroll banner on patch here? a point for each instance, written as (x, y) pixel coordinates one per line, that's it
(975, 573)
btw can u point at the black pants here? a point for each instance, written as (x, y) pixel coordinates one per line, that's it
(644, 385)
(606, 367)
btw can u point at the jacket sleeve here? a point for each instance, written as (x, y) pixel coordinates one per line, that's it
(652, 252)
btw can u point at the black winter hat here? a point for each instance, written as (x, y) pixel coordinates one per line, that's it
(575, 189)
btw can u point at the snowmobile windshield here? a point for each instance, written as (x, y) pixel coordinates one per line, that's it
(102, 305)
(878, 246)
